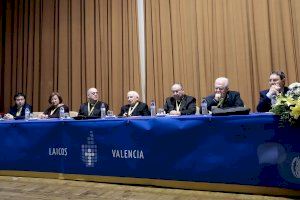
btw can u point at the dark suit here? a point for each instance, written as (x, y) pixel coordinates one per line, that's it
(13, 111)
(187, 105)
(83, 110)
(232, 99)
(265, 104)
(140, 110)
(56, 112)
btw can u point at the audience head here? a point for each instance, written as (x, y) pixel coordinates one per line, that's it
(277, 78)
(92, 94)
(55, 99)
(221, 86)
(20, 99)
(132, 97)
(177, 90)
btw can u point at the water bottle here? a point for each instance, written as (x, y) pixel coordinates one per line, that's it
(204, 107)
(27, 113)
(103, 111)
(61, 112)
(152, 108)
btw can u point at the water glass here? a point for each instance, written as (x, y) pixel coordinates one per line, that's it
(67, 115)
(160, 111)
(110, 113)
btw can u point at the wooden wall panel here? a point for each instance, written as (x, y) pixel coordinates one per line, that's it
(2, 40)
(295, 18)
(62, 49)
(243, 40)
(8, 50)
(69, 46)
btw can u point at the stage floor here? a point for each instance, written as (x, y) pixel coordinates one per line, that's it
(12, 188)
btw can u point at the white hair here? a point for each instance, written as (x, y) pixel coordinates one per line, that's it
(133, 93)
(224, 80)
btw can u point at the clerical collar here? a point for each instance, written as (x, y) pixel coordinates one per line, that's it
(180, 99)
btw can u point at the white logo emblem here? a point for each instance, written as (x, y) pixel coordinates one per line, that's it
(89, 151)
(295, 167)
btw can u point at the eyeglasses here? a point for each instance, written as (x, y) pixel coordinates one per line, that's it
(176, 91)
(93, 93)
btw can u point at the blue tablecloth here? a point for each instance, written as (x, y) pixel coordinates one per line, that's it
(246, 150)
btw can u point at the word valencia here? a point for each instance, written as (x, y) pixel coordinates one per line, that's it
(127, 154)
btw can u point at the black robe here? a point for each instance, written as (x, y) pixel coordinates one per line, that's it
(232, 99)
(140, 110)
(187, 105)
(83, 110)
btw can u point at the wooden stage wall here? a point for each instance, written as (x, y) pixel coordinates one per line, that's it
(71, 45)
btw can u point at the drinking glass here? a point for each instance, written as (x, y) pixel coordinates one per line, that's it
(160, 111)
(110, 113)
(67, 115)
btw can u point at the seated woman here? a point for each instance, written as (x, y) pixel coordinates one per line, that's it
(55, 101)
(134, 106)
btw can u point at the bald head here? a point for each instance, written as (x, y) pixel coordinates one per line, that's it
(92, 94)
(177, 90)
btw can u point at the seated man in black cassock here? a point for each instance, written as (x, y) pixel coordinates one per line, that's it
(18, 110)
(180, 103)
(223, 97)
(134, 106)
(268, 97)
(92, 108)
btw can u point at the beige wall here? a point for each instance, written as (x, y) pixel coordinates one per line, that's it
(70, 45)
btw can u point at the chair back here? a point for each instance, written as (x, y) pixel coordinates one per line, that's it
(73, 114)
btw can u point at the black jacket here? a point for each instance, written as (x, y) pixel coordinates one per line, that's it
(187, 106)
(265, 104)
(83, 110)
(13, 111)
(140, 110)
(232, 99)
(56, 112)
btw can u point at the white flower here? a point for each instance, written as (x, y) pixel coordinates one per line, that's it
(294, 89)
(294, 85)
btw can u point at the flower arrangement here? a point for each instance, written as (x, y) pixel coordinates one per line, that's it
(288, 106)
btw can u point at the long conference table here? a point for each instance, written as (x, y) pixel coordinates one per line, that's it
(246, 153)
